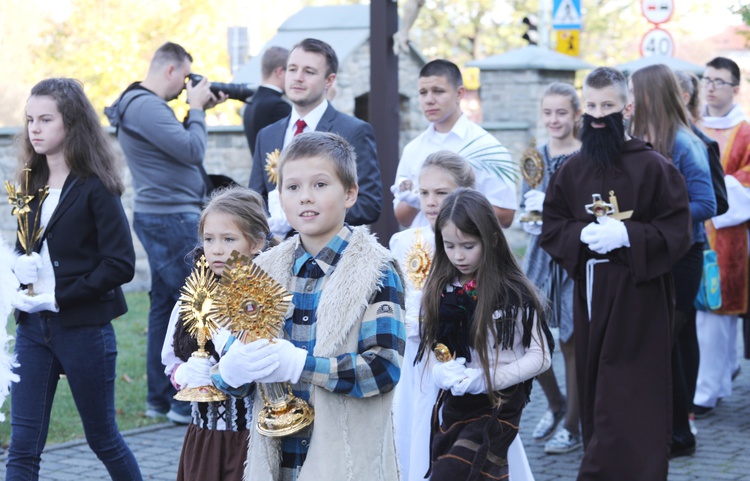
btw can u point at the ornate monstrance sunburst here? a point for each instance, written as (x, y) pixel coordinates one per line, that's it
(532, 165)
(418, 260)
(272, 166)
(196, 300)
(250, 303)
(253, 306)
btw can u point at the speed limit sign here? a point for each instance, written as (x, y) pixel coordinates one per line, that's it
(657, 42)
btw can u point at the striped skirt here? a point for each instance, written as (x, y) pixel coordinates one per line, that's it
(471, 443)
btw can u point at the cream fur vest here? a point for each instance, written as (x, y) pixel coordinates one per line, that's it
(352, 438)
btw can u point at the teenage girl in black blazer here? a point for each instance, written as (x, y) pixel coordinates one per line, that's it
(84, 256)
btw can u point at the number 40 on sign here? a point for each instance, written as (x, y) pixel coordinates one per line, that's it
(657, 42)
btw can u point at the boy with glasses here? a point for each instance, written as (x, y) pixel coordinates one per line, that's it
(724, 121)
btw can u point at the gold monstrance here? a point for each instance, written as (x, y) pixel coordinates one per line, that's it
(252, 305)
(196, 298)
(418, 260)
(532, 169)
(28, 234)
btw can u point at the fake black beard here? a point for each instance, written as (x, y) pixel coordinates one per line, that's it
(602, 147)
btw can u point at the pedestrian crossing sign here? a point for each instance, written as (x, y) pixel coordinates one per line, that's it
(568, 42)
(566, 14)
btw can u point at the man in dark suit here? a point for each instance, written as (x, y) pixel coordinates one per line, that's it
(267, 106)
(310, 73)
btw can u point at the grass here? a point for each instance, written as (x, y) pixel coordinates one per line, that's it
(130, 386)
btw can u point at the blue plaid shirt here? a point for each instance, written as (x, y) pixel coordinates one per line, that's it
(374, 369)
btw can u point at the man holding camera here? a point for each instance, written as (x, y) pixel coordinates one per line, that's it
(165, 157)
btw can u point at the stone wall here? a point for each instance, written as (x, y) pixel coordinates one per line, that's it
(511, 102)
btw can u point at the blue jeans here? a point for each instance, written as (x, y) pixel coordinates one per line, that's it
(87, 355)
(167, 239)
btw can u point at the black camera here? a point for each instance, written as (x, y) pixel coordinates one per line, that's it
(234, 91)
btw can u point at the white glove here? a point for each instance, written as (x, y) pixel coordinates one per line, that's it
(534, 200)
(246, 363)
(409, 197)
(609, 234)
(448, 374)
(277, 219)
(473, 383)
(403, 192)
(194, 372)
(738, 197)
(291, 363)
(27, 268)
(532, 228)
(40, 302)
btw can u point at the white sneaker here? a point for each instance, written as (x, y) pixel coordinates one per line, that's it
(546, 426)
(178, 418)
(563, 442)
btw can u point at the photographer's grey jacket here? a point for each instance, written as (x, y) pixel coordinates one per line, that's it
(164, 155)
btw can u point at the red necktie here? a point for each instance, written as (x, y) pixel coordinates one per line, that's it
(301, 124)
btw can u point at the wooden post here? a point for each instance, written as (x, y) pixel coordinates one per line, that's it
(384, 106)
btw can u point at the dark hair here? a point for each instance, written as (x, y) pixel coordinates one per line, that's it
(690, 85)
(171, 52)
(724, 63)
(443, 68)
(273, 58)
(328, 146)
(659, 109)
(501, 284)
(320, 47)
(604, 77)
(87, 149)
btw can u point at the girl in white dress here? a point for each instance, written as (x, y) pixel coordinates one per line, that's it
(416, 393)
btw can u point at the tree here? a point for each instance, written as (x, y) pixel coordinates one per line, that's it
(108, 44)
(464, 30)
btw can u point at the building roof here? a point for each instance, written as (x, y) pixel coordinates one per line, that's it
(671, 62)
(343, 27)
(532, 57)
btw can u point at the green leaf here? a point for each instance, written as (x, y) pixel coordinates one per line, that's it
(493, 158)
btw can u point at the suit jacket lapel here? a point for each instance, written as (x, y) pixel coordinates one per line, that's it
(277, 136)
(326, 121)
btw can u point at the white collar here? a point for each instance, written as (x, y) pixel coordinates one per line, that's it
(312, 119)
(459, 129)
(272, 87)
(727, 121)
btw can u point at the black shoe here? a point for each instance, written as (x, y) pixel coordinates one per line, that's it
(701, 412)
(679, 449)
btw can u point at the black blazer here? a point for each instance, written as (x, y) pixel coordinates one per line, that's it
(266, 107)
(358, 133)
(91, 251)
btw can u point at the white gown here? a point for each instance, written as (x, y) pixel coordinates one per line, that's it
(416, 393)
